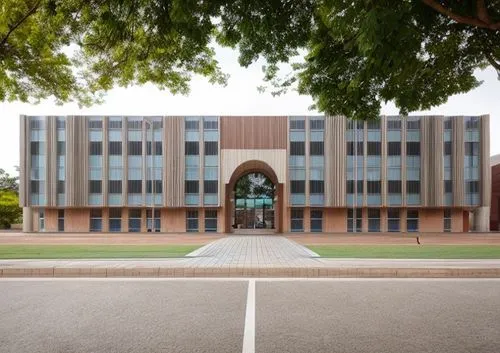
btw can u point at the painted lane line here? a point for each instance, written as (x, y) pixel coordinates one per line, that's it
(249, 333)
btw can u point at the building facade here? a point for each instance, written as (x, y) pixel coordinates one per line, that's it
(178, 173)
(495, 193)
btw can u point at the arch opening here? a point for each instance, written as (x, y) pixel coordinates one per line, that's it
(253, 202)
(254, 206)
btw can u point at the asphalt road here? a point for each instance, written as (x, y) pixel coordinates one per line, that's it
(119, 315)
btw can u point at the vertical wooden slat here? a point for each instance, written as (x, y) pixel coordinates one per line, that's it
(383, 164)
(307, 140)
(335, 161)
(24, 161)
(51, 161)
(253, 132)
(457, 155)
(173, 172)
(125, 162)
(105, 160)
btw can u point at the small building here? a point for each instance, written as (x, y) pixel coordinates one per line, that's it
(329, 174)
(495, 193)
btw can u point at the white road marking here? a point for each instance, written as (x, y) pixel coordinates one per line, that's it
(249, 333)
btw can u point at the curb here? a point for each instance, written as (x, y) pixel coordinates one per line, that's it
(298, 272)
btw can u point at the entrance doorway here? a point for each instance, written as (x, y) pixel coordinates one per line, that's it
(254, 209)
(254, 202)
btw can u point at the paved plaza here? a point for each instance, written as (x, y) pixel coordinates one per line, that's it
(255, 315)
(251, 256)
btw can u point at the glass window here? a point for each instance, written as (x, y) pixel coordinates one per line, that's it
(192, 148)
(412, 221)
(316, 220)
(374, 220)
(135, 148)
(211, 148)
(95, 220)
(60, 220)
(115, 219)
(134, 220)
(354, 213)
(210, 220)
(297, 220)
(447, 220)
(393, 220)
(192, 221)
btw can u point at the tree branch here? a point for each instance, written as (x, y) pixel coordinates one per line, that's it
(493, 62)
(24, 18)
(481, 21)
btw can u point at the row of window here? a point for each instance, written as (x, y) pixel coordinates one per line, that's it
(354, 220)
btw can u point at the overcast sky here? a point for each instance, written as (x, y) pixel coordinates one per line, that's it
(239, 97)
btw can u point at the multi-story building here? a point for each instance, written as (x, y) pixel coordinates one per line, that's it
(176, 173)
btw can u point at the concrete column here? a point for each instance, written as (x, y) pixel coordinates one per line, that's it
(27, 219)
(481, 219)
(383, 219)
(307, 219)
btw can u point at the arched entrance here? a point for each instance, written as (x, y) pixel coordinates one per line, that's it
(253, 167)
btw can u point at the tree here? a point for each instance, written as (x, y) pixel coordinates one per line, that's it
(357, 53)
(10, 212)
(8, 183)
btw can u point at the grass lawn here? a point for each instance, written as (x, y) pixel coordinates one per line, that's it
(93, 251)
(408, 251)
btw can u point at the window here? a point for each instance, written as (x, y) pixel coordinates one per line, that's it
(359, 150)
(95, 124)
(96, 220)
(374, 220)
(60, 220)
(394, 186)
(297, 148)
(192, 148)
(447, 220)
(135, 148)
(115, 186)
(393, 219)
(115, 148)
(95, 186)
(210, 186)
(158, 184)
(210, 124)
(211, 148)
(134, 186)
(297, 186)
(412, 221)
(192, 221)
(193, 124)
(374, 148)
(297, 220)
(115, 123)
(316, 186)
(149, 221)
(354, 213)
(373, 186)
(317, 123)
(95, 148)
(158, 148)
(115, 219)
(316, 221)
(297, 124)
(210, 220)
(350, 186)
(191, 186)
(60, 187)
(61, 148)
(413, 148)
(316, 148)
(394, 148)
(134, 220)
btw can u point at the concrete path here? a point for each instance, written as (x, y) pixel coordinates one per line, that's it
(250, 256)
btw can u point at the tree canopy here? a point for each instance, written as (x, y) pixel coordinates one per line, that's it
(356, 54)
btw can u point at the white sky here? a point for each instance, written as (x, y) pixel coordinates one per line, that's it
(239, 97)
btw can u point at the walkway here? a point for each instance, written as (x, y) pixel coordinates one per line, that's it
(250, 256)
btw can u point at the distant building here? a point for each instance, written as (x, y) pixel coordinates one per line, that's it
(495, 193)
(176, 174)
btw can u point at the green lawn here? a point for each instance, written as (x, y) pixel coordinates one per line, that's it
(93, 251)
(408, 251)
